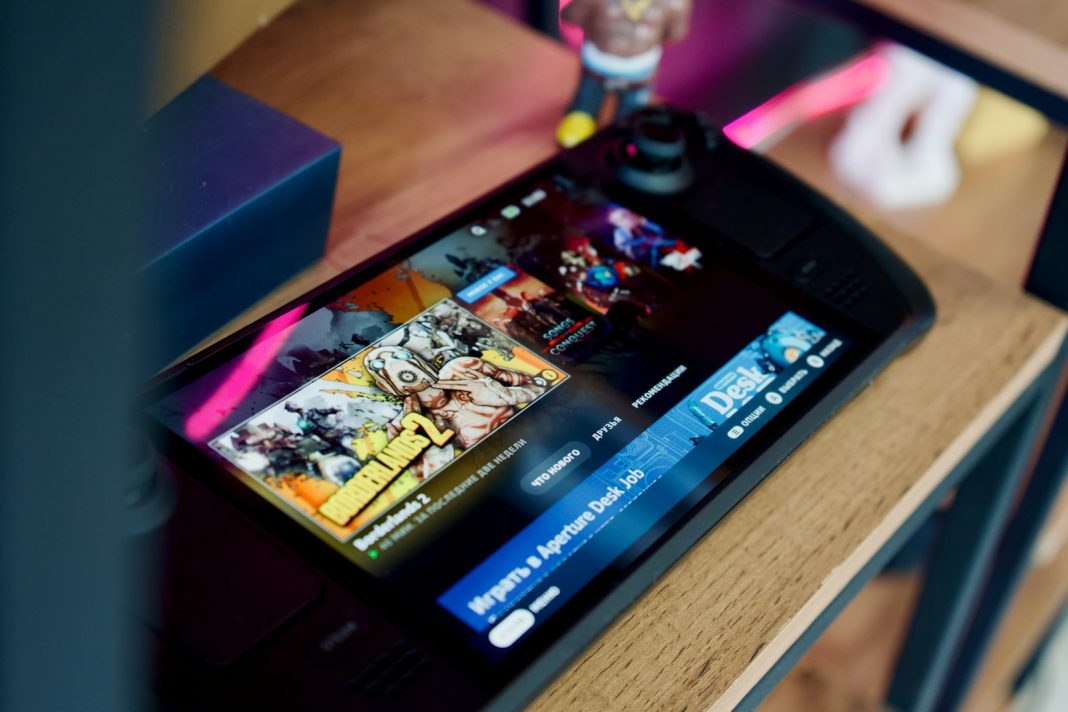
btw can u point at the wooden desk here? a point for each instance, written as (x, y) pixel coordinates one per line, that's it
(1027, 37)
(436, 101)
(1021, 48)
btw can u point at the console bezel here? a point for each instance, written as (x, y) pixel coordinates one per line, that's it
(895, 286)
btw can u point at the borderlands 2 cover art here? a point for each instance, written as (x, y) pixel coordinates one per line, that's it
(353, 441)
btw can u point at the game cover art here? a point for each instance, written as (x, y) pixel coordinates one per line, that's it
(533, 313)
(614, 260)
(601, 281)
(639, 239)
(356, 439)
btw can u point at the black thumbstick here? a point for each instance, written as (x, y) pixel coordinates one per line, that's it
(652, 155)
(657, 140)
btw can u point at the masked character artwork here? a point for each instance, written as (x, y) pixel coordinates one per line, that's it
(468, 395)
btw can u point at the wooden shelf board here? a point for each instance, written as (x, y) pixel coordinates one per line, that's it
(991, 224)
(1025, 37)
(850, 666)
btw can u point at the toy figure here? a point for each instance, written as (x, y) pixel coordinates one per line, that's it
(620, 54)
(923, 101)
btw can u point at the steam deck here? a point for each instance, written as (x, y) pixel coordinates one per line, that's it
(433, 481)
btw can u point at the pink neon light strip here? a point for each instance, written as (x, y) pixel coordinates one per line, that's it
(203, 421)
(571, 34)
(809, 99)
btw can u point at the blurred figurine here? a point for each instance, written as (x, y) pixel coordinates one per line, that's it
(620, 54)
(897, 147)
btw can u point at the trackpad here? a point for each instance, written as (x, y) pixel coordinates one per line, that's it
(748, 215)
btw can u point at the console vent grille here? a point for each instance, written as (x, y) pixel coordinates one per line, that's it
(846, 290)
(390, 673)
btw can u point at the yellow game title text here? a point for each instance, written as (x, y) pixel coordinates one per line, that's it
(375, 476)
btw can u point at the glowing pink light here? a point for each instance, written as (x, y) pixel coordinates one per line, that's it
(571, 34)
(810, 99)
(203, 421)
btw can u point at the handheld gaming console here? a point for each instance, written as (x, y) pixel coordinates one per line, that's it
(434, 480)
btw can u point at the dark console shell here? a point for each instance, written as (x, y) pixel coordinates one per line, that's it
(290, 648)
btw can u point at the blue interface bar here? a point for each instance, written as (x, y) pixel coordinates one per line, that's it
(489, 590)
(486, 284)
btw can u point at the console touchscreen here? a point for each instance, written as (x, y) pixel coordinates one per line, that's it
(506, 415)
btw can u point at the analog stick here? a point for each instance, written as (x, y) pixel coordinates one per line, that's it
(657, 141)
(652, 156)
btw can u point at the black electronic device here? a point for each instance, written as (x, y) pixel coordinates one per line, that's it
(433, 481)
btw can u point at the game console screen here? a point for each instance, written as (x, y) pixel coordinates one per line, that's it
(501, 418)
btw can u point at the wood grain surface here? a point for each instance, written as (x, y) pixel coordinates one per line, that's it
(1026, 37)
(436, 101)
(1045, 18)
(193, 35)
(433, 101)
(849, 667)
